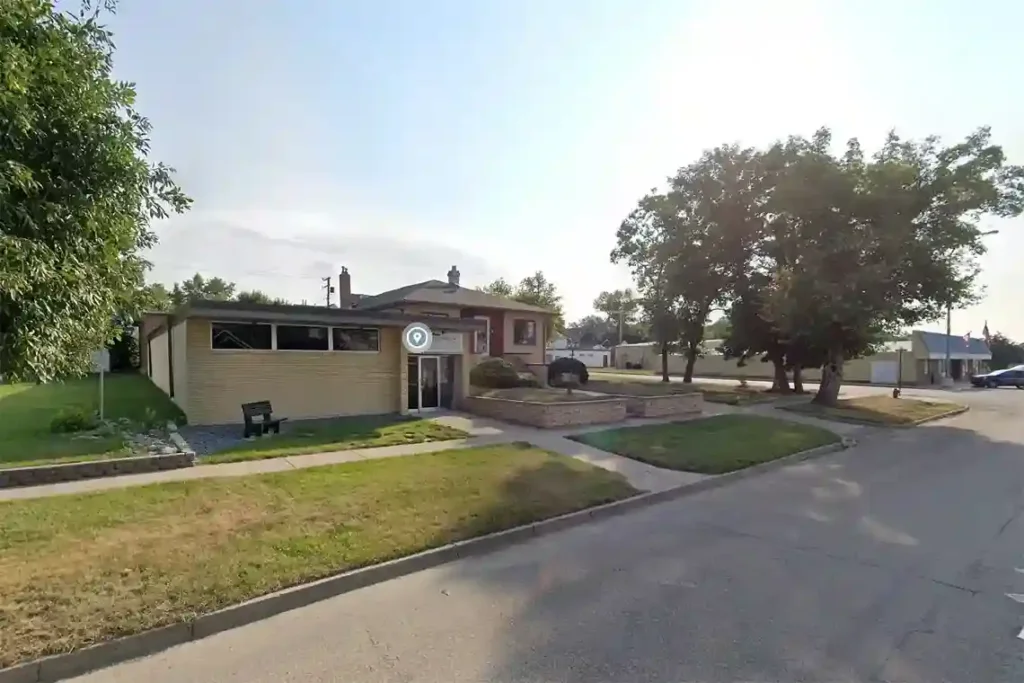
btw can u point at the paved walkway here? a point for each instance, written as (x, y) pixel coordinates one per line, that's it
(482, 432)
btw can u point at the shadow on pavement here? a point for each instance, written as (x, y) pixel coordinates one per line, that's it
(888, 562)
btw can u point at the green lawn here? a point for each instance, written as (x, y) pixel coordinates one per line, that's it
(27, 409)
(342, 434)
(713, 445)
(881, 410)
(76, 570)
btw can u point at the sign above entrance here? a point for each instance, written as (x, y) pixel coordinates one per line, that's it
(447, 342)
(417, 337)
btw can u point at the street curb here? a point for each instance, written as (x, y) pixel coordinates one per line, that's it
(865, 423)
(57, 667)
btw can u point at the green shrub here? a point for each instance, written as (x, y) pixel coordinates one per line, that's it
(73, 419)
(560, 366)
(494, 373)
(528, 379)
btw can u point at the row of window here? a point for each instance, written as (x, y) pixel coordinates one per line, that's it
(237, 336)
(316, 338)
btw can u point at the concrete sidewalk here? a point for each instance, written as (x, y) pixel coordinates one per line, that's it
(482, 432)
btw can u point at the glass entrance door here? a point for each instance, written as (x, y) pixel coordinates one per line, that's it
(430, 383)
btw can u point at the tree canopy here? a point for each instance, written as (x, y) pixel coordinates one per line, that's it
(817, 255)
(535, 290)
(77, 192)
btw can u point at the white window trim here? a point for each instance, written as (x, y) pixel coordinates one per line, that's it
(537, 333)
(487, 331)
(273, 337)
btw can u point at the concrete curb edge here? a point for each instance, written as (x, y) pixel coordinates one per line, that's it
(959, 410)
(58, 667)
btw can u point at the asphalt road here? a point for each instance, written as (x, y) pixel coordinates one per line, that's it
(889, 562)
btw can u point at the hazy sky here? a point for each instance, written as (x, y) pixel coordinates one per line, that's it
(400, 137)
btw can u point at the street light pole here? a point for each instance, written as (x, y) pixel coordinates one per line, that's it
(947, 375)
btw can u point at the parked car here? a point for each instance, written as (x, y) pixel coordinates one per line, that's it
(1007, 377)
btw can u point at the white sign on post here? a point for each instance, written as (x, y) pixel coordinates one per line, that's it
(101, 364)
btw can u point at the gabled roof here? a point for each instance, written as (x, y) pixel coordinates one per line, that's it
(443, 293)
(935, 342)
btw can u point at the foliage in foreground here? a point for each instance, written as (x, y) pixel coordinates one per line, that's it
(77, 193)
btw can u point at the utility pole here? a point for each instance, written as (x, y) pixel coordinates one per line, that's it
(328, 289)
(947, 375)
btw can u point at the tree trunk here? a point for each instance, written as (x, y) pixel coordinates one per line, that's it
(798, 380)
(664, 363)
(780, 383)
(831, 380)
(691, 359)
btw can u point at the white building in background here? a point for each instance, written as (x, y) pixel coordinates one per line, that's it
(596, 357)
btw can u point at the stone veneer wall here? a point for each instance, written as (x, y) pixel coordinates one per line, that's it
(665, 406)
(73, 471)
(548, 415)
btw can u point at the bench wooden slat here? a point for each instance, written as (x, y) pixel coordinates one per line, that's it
(264, 410)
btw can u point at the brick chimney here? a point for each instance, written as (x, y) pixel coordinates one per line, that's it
(344, 286)
(453, 277)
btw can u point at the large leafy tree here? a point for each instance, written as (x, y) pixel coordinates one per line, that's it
(621, 309)
(1005, 352)
(699, 235)
(878, 244)
(198, 288)
(77, 193)
(535, 290)
(256, 296)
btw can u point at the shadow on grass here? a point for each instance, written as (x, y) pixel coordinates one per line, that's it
(880, 411)
(26, 412)
(885, 562)
(711, 445)
(169, 551)
(324, 435)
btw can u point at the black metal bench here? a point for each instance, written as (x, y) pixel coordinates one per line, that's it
(267, 422)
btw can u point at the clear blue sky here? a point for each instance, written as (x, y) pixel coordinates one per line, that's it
(400, 137)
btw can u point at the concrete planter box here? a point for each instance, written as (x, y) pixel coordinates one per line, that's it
(665, 406)
(548, 415)
(93, 469)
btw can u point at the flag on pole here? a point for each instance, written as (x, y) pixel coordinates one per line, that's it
(967, 338)
(985, 334)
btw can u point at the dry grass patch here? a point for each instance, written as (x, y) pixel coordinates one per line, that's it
(536, 395)
(76, 570)
(880, 410)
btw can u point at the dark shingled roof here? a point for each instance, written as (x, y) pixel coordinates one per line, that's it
(438, 292)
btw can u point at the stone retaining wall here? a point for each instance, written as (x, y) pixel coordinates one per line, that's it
(666, 405)
(92, 469)
(548, 415)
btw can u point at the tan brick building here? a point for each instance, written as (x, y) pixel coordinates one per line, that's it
(311, 361)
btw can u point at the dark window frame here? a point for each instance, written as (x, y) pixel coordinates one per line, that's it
(326, 338)
(532, 339)
(236, 324)
(341, 328)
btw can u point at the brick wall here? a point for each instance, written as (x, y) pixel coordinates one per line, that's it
(665, 406)
(548, 415)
